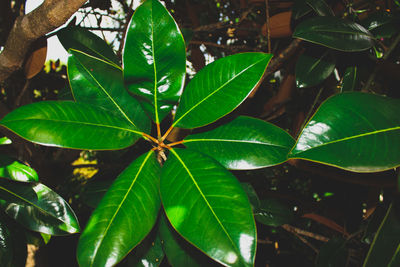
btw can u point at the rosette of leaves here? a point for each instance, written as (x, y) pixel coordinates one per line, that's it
(113, 108)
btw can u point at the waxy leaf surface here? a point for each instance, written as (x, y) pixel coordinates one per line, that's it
(97, 82)
(37, 207)
(154, 59)
(149, 253)
(208, 207)
(384, 248)
(178, 251)
(124, 216)
(314, 68)
(335, 33)
(6, 244)
(353, 131)
(244, 143)
(71, 125)
(272, 212)
(320, 7)
(15, 170)
(219, 88)
(83, 40)
(349, 79)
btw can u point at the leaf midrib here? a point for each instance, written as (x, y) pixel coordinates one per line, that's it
(119, 206)
(154, 68)
(215, 91)
(348, 138)
(232, 141)
(76, 122)
(204, 198)
(105, 91)
(31, 203)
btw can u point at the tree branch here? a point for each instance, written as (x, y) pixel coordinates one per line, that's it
(44, 19)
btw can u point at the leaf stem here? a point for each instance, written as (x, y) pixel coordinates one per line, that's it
(176, 143)
(167, 133)
(146, 136)
(158, 131)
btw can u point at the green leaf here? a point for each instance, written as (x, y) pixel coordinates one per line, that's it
(244, 143)
(381, 24)
(208, 207)
(37, 207)
(335, 33)
(333, 254)
(320, 7)
(384, 248)
(219, 88)
(154, 59)
(178, 251)
(71, 125)
(97, 82)
(124, 216)
(313, 67)
(395, 261)
(272, 212)
(353, 131)
(13, 250)
(349, 79)
(303, 7)
(6, 244)
(300, 8)
(252, 195)
(14, 170)
(5, 141)
(88, 42)
(149, 253)
(94, 192)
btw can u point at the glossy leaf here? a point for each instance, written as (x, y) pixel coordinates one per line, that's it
(300, 9)
(13, 250)
(381, 24)
(178, 251)
(207, 206)
(271, 212)
(244, 143)
(37, 207)
(386, 241)
(14, 170)
(71, 125)
(333, 254)
(5, 141)
(6, 248)
(154, 59)
(124, 216)
(335, 33)
(252, 195)
(83, 40)
(320, 7)
(350, 78)
(313, 68)
(97, 82)
(353, 131)
(219, 88)
(149, 253)
(94, 192)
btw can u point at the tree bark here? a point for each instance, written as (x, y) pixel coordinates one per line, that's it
(44, 19)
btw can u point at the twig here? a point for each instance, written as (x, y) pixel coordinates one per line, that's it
(268, 29)
(306, 242)
(44, 19)
(299, 231)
